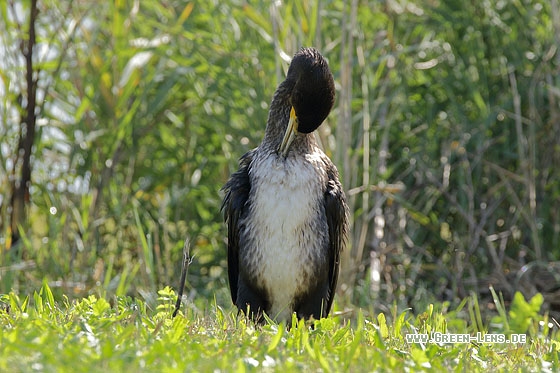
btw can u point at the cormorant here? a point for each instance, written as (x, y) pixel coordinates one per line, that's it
(285, 208)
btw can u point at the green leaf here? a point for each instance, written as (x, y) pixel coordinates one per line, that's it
(383, 328)
(100, 307)
(276, 339)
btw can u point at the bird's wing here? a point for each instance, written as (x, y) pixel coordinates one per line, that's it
(234, 205)
(336, 211)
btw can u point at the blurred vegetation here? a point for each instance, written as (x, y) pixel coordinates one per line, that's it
(445, 131)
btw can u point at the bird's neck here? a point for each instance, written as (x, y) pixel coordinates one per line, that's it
(278, 118)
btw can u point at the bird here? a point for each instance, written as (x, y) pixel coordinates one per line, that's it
(285, 208)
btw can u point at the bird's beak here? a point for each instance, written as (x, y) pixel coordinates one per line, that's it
(290, 134)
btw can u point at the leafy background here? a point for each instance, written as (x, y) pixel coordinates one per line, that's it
(445, 131)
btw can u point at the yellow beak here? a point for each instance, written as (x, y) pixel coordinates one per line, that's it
(290, 134)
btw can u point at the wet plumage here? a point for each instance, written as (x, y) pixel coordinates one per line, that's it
(285, 209)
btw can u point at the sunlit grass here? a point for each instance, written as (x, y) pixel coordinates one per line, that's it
(96, 334)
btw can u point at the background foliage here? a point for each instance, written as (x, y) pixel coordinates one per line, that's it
(445, 132)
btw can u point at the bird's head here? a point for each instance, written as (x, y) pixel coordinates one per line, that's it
(312, 96)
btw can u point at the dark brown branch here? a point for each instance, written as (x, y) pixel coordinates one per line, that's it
(20, 191)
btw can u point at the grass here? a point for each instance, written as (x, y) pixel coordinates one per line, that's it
(95, 334)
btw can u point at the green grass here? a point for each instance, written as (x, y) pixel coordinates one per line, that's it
(94, 334)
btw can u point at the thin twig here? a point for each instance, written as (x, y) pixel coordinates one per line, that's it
(526, 165)
(186, 261)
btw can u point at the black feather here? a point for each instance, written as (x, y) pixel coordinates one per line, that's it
(236, 197)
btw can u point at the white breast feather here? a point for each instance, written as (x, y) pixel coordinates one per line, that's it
(285, 200)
